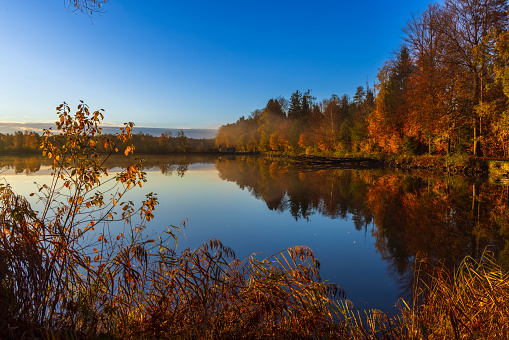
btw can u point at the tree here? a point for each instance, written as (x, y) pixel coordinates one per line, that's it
(328, 134)
(274, 108)
(166, 141)
(182, 141)
(295, 108)
(428, 117)
(388, 118)
(466, 27)
(306, 105)
(360, 95)
(54, 263)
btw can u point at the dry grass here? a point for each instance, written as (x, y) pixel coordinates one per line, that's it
(203, 294)
(470, 303)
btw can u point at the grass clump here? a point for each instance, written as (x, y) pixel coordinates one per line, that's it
(206, 294)
(469, 303)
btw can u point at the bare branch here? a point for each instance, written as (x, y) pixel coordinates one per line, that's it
(88, 7)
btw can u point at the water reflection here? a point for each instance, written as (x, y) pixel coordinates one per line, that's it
(20, 164)
(446, 218)
(168, 165)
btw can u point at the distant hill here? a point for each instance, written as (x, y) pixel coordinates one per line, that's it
(38, 127)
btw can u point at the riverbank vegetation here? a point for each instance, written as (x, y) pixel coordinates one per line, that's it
(444, 92)
(83, 266)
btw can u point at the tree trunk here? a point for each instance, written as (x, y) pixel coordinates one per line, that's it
(477, 142)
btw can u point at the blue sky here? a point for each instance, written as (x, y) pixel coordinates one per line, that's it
(189, 64)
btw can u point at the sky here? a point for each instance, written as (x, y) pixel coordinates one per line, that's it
(189, 64)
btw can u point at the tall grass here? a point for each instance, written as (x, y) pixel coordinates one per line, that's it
(469, 303)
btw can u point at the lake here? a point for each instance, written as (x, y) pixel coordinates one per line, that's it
(364, 225)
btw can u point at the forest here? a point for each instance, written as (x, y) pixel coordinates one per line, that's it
(444, 91)
(29, 142)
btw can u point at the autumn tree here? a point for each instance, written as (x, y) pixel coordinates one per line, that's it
(501, 69)
(270, 122)
(387, 120)
(466, 26)
(427, 119)
(327, 135)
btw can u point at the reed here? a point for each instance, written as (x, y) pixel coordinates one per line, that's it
(469, 303)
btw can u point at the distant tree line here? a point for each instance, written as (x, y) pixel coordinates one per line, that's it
(29, 142)
(445, 90)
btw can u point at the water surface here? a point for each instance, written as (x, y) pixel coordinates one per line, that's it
(365, 226)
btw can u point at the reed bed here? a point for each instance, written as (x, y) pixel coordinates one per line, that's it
(147, 290)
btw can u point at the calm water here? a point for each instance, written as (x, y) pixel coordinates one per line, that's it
(365, 226)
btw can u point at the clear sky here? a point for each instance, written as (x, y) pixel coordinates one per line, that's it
(189, 64)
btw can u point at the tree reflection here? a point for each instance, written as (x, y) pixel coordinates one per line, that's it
(168, 165)
(20, 164)
(303, 192)
(446, 218)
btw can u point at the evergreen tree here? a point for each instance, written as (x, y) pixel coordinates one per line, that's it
(295, 109)
(274, 108)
